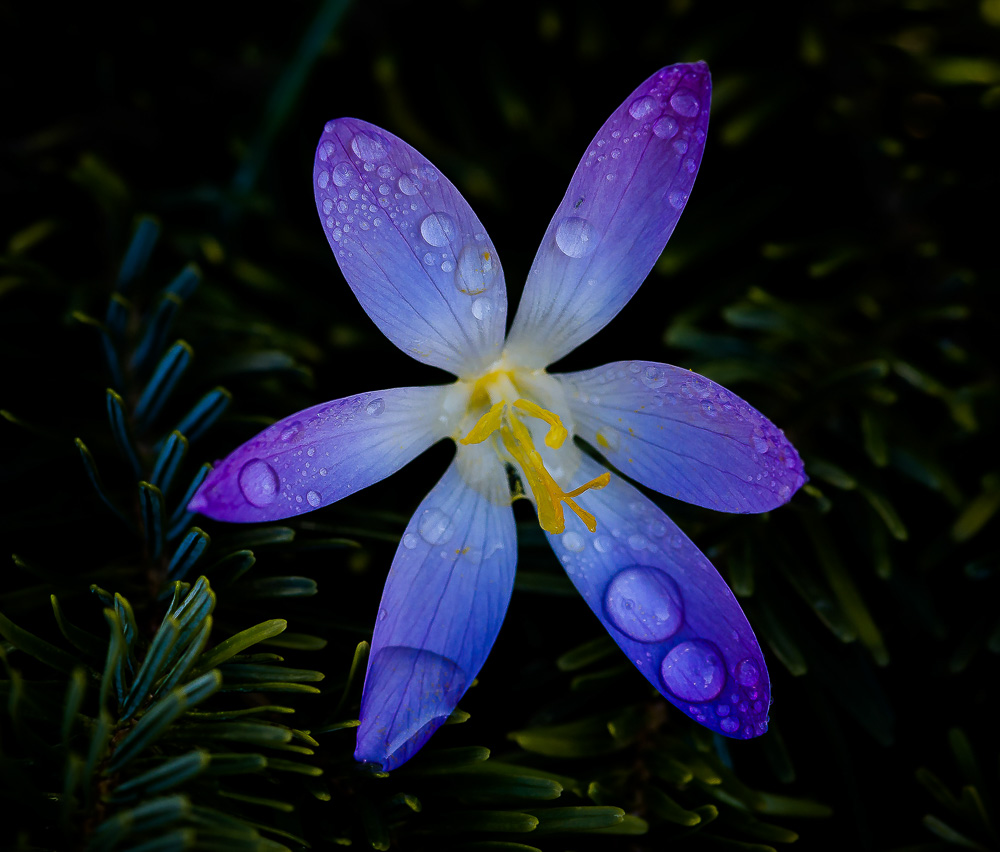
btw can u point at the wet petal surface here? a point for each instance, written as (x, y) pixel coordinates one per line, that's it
(324, 453)
(416, 256)
(667, 607)
(441, 610)
(684, 436)
(618, 213)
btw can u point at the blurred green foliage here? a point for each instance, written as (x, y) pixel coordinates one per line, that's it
(165, 291)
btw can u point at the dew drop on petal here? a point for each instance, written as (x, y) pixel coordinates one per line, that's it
(677, 199)
(369, 147)
(576, 237)
(258, 483)
(375, 407)
(408, 185)
(438, 229)
(314, 499)
(476, 271)
(730, 724)
(693, 671)
(653, 377)
(665, 127)
(409, 541)
(573, 542)
(323, 179)
(747, 672)
(482, 308)
(644, 604)
(641, 107)
(343, 174)
(435, 526)
(425, 172)
(685, 102)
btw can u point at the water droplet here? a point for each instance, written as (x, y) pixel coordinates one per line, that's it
(369, 146)
(644, 604)
(382, 613)
(343, 174)
(408, 185)
(314, 499)
(677, 199)
(425, 172)
(730, 724)
(311, 452)
(375, 407)
(327, 206)
(408, 695)
(290, 431)
(435, 526)
(576, 237)
(573, 542)
(641, 107)
(325, 150)
(680, 146)
(747, 672)
(722, 709)
(446, 266)
(665, 127)
(685, 102)
(693, 671)
(653, 376)
(477, 270)
(438, 229)
(759, 444)
(603, 544)
(482, 308)
(409, 541)
(259, 483)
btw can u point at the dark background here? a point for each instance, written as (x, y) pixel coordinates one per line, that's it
(834, 267)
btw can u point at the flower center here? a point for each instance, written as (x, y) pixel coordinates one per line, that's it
(506, 418)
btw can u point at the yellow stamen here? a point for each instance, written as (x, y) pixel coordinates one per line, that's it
(517, 440)
(557, 433)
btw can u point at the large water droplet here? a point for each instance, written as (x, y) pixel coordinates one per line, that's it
(644, 604)
(435, 526)
(573, 542)
(314, 499)
(343, 174)
(408, 695)
(438, 229)
(375, 407)
(476, 271)
(576, 237)
(482, 308)
(369, 146)
(694, 671)
(665, 127)
(685, 102)
(747, 672)
(408, 185)
(653, 376)
(641, 107)
(259, 483)
(730, 724)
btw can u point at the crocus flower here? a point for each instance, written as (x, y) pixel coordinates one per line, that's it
(422, 266)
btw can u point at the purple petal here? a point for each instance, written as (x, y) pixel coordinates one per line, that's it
(324, 453)
(667, 607)
(619, 211)
(416, 256)
(684, 436)
(441, 610)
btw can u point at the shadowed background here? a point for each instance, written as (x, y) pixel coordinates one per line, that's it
(833, 267)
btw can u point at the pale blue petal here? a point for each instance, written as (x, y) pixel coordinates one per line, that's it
(667, 607)
(441, 610)
(324, 453)
(619, 211)
(684, 436)
(415, 255)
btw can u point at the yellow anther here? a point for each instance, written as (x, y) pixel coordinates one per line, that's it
(503, 417)
(557, 432)
(486, 426)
